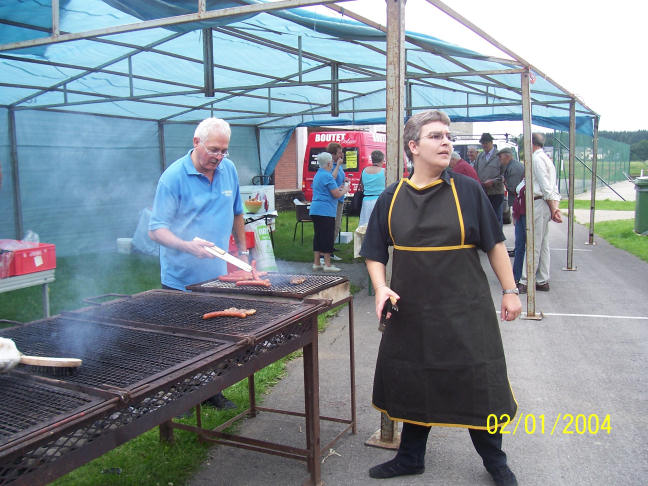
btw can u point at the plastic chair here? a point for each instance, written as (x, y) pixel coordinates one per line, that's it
(301, 211)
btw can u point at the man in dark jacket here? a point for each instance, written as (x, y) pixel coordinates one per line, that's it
(490, 173)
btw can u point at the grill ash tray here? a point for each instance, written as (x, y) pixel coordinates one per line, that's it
(280, 286)
(27, 405)
(182, 312)
(113, 356)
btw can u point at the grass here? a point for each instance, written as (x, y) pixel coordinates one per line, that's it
(636, 166)
(144, 460)
(287, 249)
(621, 234)
(605, 204)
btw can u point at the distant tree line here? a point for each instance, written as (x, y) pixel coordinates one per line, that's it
(638, 141)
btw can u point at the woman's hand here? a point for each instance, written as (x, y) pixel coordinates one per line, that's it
(382, 294)
(511, 307)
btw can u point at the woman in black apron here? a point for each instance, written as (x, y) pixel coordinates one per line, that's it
(441, 360)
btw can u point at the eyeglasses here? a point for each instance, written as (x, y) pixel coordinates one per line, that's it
(215, 153)
(438, 136)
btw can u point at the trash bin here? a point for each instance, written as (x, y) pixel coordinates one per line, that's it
(641, 206)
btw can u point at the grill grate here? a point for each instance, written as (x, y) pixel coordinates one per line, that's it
(26, 404)
(280, 285)
(185, 310)
(113, 356)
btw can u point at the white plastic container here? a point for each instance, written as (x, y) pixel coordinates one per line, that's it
(124, 245)
(345, 237)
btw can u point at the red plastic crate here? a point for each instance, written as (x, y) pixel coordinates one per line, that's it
(30, 260)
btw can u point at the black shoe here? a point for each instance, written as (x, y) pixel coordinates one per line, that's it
(220, 401)
(511, 253)
(393, 468)
(543, 287)
(503, 476)
(522, 288)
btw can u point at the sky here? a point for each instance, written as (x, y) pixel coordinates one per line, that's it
(593, 49)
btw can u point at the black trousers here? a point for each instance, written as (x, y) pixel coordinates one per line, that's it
(411, 451)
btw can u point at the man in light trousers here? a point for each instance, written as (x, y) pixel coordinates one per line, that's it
(545, 208)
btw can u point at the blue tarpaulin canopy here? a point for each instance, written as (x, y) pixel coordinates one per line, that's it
(266, 70)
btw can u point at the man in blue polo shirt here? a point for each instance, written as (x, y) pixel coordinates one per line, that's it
(198, 204)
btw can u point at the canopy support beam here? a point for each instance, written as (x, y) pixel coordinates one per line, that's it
(208, 61)
(570, 187)
(590, 238)
(15, 173)
(528, 200)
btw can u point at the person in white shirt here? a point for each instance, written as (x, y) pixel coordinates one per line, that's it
(545, 208)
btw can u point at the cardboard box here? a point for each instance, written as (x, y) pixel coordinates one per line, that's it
(30, 260)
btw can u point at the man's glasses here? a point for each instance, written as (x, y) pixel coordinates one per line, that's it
(215, 153)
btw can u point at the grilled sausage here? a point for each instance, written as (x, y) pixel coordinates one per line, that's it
(224, 313)
(253, 283)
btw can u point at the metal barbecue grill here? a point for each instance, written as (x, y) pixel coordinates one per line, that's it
(140, 370)
(26, 405)
(334, 289)
(280, 286)
(183, 313)
(112, 356)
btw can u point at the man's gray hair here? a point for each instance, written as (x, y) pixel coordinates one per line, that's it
(413, 126)
(538, 139)
(455, 156)
(324, 159)
(212, 125)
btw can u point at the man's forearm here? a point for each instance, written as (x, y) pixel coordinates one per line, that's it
(238, 230)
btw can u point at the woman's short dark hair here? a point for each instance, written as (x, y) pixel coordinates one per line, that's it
(413, 126)
(377, 157)
(333, 147)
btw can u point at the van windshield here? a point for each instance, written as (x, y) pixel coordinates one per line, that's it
(350, 159)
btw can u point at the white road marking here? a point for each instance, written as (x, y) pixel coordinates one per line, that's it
(641, 318)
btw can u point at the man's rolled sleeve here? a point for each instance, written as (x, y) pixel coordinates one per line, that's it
(164, 208)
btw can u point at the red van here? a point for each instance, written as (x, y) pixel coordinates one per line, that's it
(356, 146)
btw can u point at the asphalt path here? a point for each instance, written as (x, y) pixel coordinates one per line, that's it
(579, 376)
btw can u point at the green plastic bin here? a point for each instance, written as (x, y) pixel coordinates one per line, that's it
(641, 206)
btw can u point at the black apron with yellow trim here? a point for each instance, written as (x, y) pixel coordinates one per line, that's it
(441, 360)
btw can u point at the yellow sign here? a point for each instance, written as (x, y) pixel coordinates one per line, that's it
(351, 159)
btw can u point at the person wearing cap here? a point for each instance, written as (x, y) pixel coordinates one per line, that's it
(460, 166)
(490, 174)
(326, 193)
(546, 198)
(513, 173)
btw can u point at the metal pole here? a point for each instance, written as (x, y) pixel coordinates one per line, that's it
(570, 187)
(395, 77)
(335, 89)
(590, 239)
(208, 62)
(160, 125)
(15, 173)
(56, 31)
(388, 436)
(528, 175)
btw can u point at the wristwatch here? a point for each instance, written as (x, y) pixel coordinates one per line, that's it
(515, 291)
(244, 252)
